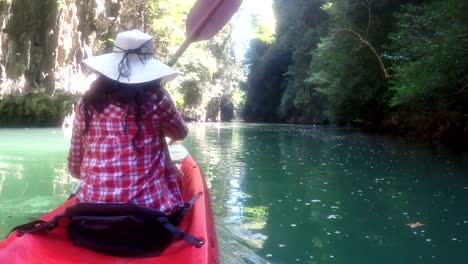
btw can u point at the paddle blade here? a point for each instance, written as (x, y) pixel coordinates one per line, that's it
(208, 17)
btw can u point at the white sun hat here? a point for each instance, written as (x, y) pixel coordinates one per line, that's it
(132, 60)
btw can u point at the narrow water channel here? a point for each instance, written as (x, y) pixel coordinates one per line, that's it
(287, 194)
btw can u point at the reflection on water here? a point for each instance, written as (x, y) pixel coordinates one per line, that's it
(33, 176)
(217, 149)
(287, 194)
(294, 194)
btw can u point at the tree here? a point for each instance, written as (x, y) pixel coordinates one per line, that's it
(429, 56)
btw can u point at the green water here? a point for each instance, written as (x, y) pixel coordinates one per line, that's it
(287, 194)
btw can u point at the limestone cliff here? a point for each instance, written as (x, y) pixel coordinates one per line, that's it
(42, 42)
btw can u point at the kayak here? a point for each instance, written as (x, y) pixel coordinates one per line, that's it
(54, 248)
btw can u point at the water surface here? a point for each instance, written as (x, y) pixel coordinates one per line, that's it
(286, 194)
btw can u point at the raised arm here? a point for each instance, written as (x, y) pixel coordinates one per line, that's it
(169, 118)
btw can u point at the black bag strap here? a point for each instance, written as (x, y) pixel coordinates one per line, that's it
(188, 205)
(37, 225)
(180, 234)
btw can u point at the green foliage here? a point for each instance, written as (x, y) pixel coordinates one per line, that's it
(429, 55)
(357, 59)
(35, 109)
(238, 98)
(265, 82)
(348, 76)
(207, 69)
(276, 90)
(61, 4)
(192, 93)
(263, 30)
(344, 68)
(167, 24)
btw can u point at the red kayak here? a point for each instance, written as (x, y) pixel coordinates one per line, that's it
(54, 247)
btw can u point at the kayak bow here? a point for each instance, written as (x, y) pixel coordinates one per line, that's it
(54, 248)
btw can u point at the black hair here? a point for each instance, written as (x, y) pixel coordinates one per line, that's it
(104, 91)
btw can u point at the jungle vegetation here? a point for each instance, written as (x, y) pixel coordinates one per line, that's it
(207, 89)
(379, 63)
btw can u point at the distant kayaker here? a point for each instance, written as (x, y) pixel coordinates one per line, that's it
(118, 146)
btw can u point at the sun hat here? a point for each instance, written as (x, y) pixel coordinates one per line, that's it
(131, 60)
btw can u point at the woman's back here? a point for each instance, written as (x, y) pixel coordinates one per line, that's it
(123, 157)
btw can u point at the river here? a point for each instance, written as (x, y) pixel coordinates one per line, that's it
(286, 194)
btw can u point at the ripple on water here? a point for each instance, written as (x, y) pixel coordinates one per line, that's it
(235, 249)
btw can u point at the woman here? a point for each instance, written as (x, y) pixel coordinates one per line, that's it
(118, 149)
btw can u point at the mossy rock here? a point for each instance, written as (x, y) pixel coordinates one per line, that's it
(35, 109)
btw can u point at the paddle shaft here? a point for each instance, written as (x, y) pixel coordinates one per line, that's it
(192, 35)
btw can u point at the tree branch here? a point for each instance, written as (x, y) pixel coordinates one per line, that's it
(374, 51)
(462, 90)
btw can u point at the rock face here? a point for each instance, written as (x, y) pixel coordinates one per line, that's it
(43, 42)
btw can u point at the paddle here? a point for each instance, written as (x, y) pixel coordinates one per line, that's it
(205, 20)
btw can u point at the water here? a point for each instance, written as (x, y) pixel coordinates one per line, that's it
(287, 194)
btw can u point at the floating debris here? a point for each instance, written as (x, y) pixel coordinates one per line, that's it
(414, 225)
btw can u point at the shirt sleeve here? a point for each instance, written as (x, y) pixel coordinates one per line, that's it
(75, 155)
(170, 119)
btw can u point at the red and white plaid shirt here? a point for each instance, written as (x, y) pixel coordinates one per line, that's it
(108, 165)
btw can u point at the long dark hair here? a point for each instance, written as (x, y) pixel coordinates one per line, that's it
(104, 91)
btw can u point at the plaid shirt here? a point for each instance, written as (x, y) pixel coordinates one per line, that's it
(108, 165)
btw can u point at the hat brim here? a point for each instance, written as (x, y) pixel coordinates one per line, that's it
(152, 69)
